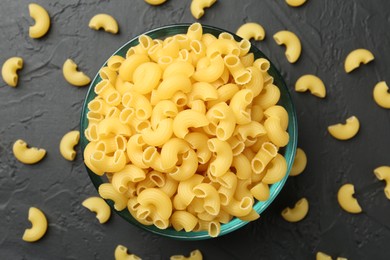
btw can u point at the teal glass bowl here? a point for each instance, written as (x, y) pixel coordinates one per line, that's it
(288, 151)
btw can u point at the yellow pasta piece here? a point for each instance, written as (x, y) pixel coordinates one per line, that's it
(99, 206)
(292, 43)
(381, 94)
(251, 30)
(383, 174)
(295, 3)
(357, 57)
(42, 21)
(198, 6)
(27, 155)
(345, 131)
(122, 254)
(346, 199)
(9, 68)
(312, 83)
(322, 256)
(297, 213)
(194, 255)
(107, 191)
(38, 225)
(105, 22)
(73, 76)
(299, 164)
(68, 141)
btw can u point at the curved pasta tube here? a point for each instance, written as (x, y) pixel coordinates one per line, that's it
(72, 76)
(275, 131)
(298, 212)
(198, 142)
(224, 157)
(222, 116)
(240, 74)
(198, 6)
(268, 97)
(162, 110)
(158, 199)
(239, 103)
(121, 254)
(8, 70)
(27, 155)
(247, 60)
(68, 141)
(299, 164)
(42, 21)
(170, 151)
(39, 225)
(202, 91)
(212, 72)
(267, 152)
(183, 220)
(194, 255)
(276, 171)
(295, 3)
(107, 191)
(383, 174)
(256, 83)
(225, 93)
(292, 43)
(99, 206)
(239, 208)
(381, 94)
(345, 131)
(135, 150)
(107, 163)
(88, 151)
(242, 166)
(160, 135)
(312, 83)
(186, 119)
(188, 167)
(346, 200)
(169, 86)
(357, 57)
(222, 47)
(251, 130)
(251, 30)
(210, 195)
(323, 256)
(130, 64)
(109, 74)
(279, 112)
(179, 67)
(130, 173)
(112, 126)
(105, 21)
(260, 191)
(185, 189)
(146, 77)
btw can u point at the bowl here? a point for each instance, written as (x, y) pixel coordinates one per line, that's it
(288, 151)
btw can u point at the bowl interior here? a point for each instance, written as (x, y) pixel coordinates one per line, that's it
(288, 151)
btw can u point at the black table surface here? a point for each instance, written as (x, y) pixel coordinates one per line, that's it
(44, 107)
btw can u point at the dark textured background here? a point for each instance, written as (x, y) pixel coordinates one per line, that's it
(44, 107)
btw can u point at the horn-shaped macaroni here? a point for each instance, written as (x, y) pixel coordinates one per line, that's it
(186, 119)
(381, 94)
(346, 200)
(99, 206)
(105, 21)
(298, 212)
(312, 83)
(73, 76)
(107, 191)
(42, 21)
(251, 30)
(224, 157)
(39, 225)
(295, 3)
(383, 174)
(27, 155)
(158, 199)
(68, 141)
(121, 254)
(357, 57)
(299, 164)
(198, 6)
(292, 43)
(345, 131)
(8, 71)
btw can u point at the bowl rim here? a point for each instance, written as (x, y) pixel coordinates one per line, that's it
(275, 188)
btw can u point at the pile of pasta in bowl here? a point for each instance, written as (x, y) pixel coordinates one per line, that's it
(188, 131)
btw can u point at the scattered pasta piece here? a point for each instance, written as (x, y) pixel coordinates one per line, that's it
(383, 174)
(323, 256)
(346, 199)
(357, 57)
(8, 71)
(68, 141)
(39, 225)
(42, 21)
(121, 254)
(345, 131)
(312, 83)
(194, 255)
(251, 30)
(381, 94)
(292, 43)
(198, 6)
(297, 213)
(105, 22)
(155, 2)
(100, 207)
(72, 76)
(295, 3)
(27, 155)
(299, 164)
